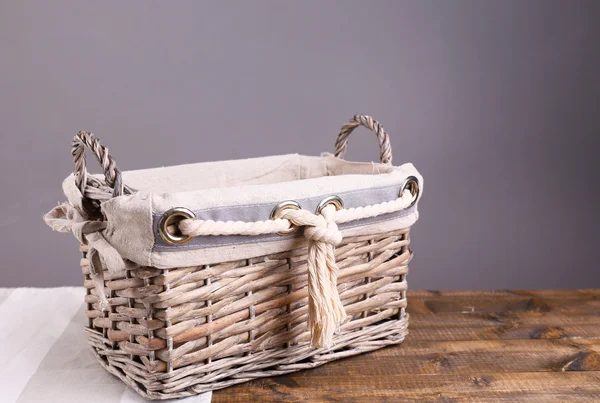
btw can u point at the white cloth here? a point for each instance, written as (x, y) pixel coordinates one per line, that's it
(44, 355)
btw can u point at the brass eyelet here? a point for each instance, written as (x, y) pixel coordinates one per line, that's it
(276, 213)
(335, 200)
(412, 184)
(172, 217)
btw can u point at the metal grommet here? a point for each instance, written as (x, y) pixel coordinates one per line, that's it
(335, 200)
(275, 214)
(172, 217)
(411, 183)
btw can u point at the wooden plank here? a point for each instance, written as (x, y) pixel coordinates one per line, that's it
(478, 319)
(454, 360)
(462, 357)
(523, 387)
(504, 310)
(493, 346)
(503, 302)
(517, 330)
(584, 294)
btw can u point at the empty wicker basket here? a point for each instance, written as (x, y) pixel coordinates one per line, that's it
(212, 274)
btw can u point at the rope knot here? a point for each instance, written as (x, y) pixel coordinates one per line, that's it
(329, 234)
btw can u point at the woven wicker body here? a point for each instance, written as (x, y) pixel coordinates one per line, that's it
(173, 330)
(179, 332)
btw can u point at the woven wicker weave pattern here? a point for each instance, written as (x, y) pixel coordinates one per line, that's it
(179, 332)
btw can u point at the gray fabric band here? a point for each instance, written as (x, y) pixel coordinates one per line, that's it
(260, 212)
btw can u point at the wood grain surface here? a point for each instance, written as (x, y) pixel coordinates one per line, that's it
(475, 346)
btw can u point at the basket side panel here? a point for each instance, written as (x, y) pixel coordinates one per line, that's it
(178, 332)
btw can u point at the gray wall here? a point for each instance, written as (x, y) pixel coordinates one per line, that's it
(496, 103)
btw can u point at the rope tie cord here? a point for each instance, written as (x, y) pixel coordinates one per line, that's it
(325, 310)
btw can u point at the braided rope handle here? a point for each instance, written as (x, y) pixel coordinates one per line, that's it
(86, 140)
(385, 148)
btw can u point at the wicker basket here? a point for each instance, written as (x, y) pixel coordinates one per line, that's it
(209, 274)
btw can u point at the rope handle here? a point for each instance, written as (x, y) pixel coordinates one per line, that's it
(85, 140)
(385, 148)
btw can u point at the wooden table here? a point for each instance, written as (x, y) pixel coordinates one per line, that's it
(493, 346)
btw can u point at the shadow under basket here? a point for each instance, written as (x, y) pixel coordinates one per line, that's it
(220, 294)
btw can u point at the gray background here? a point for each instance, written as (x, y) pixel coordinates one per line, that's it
(495, 102)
